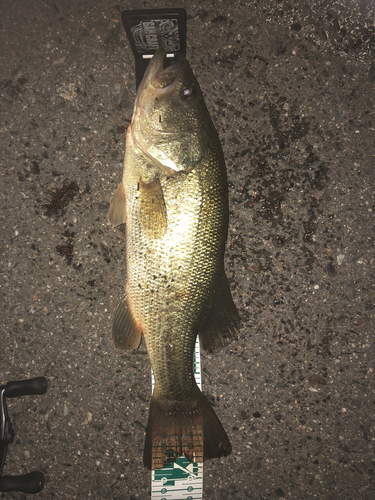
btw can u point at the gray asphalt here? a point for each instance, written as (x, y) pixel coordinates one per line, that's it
(290, 86)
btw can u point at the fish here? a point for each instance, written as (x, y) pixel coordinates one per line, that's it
(173, 199)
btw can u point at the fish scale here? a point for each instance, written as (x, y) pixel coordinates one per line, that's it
(174, 283)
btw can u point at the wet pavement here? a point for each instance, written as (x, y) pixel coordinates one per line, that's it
(291, 88)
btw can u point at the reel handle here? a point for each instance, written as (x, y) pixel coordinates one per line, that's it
(32, 482)
(28, 387)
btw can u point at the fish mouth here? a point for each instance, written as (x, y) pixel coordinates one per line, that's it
(166, 78)
(158, 82)
(160, 78)
(154, 68)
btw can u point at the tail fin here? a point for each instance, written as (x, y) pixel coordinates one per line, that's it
(189, 428)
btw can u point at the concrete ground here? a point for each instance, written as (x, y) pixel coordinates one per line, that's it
(290, 87)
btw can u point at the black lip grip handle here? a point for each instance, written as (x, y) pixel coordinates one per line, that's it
(149, 29)
(32, 482)
(29, 387)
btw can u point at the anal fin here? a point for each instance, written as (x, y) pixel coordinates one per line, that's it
(126, 332)
(221, 326)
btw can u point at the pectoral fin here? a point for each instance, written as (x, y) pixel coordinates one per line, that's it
(126, 332)
(152, 210)
(221, 327)
(117, 210)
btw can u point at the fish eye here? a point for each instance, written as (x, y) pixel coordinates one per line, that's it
(187, 92)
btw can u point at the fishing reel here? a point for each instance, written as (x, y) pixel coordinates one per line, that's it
(32, 482)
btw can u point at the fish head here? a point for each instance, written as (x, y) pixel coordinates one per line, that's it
(170, 123)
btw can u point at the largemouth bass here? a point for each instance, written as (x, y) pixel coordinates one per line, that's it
(173, 199)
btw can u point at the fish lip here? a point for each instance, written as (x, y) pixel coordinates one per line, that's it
(147, 90)
(154, 68)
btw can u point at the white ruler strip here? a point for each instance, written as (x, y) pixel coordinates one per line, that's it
(182, 480)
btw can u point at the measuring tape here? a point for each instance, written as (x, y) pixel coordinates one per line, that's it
(181, 480)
